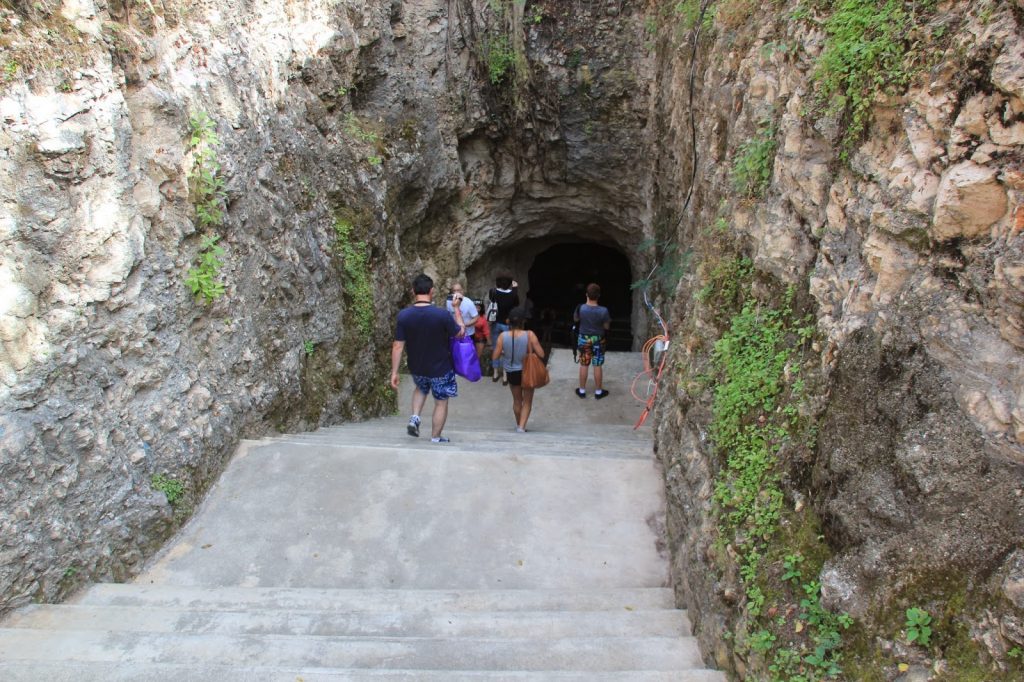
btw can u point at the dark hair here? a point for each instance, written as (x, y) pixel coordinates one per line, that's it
(593, 291)
(422, 284)
(517, 316)
(503, 281)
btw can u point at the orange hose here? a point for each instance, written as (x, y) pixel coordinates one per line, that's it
(649, 372)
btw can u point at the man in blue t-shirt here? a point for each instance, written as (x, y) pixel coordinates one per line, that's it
(422, 331)
(593, 321)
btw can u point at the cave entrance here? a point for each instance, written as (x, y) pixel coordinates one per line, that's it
(557, 281)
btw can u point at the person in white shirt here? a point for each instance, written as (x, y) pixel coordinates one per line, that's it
(467, 307)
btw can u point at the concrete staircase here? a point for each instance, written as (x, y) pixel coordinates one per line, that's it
(360, 553)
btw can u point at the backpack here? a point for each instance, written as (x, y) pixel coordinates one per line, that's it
(492, 308)
(574, 331)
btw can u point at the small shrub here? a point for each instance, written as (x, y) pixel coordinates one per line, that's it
(755, 159)
(207, 185)
(791, 563)
(724, 285)
(172, 489)
(359, 130)
(918, 626)
(355, 260)
(499, 57)
(688, 13)
(203, 279)
(671, 265)
(762, 641)
(863, 56)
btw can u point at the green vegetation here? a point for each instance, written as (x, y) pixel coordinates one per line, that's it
(358, 130)
(206, 183)
(499, 57)
(688, 12)
(365, 133)
(575, 58)
(865, 47)
(671, 261)
(308, 347)
(755, 159)
(501, 47)
(208, 195)
(750, 359)
(918, 626)
(203, 279)
(757, 426)
(725, 282)
(172, 489)
(355, 260)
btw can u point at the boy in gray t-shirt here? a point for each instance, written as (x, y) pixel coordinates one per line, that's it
(593, 321)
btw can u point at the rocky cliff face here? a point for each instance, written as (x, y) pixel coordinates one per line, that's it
(118, 383)
(899, 472)
(307, 157)
(840, 260)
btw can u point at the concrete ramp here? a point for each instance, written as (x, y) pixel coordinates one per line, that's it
(360, 553)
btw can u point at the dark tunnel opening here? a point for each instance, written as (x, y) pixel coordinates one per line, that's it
(557, 281)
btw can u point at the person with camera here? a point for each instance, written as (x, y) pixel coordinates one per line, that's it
(465, 305)
(422, 332)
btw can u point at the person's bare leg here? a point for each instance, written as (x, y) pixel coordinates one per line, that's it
(524, 411)
(418, 399)
(598, 376)
(439, 418)
(583, 377)
(517, 401)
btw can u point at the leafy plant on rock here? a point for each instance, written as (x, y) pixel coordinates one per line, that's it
(919, 629)
(207, 184)
(203, 280)
(755, 160)
(864, 56)
(208, 197)
(355, 258)
(172, 489)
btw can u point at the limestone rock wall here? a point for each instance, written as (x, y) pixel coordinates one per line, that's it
(376, 117)
(909, 256)
(111, 372)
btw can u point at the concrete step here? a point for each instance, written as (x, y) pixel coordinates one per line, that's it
(510, 443)
(311, 515)
(229, 598)
(161, 672)
(358, 553)
(486, 624)
(546, 432)
(464, 653)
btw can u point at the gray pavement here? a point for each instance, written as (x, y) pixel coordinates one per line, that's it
(358, 552)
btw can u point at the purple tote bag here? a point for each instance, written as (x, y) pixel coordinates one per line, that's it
(464, 358)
